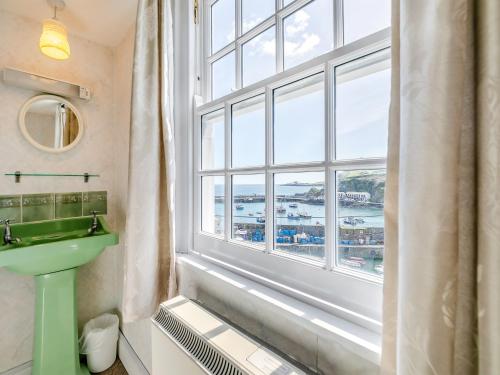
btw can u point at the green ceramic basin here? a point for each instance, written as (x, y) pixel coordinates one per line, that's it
(52, 251)
(55, 245)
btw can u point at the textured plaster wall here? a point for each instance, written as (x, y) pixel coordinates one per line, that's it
(103, 150)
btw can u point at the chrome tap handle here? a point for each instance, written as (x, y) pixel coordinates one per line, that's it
(95, 223)
(7, 233)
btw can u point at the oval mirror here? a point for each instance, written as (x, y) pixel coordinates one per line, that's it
(51, 123)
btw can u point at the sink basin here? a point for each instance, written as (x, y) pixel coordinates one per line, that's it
(56, 245)
(51, 251)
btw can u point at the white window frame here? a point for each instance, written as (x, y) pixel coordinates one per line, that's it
(349, 294)
(275, 20)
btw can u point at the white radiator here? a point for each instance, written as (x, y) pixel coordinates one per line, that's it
(189, 340)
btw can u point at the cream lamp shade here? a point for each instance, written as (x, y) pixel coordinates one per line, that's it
(54, 40)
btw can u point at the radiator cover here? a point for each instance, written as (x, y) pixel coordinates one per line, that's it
(211, 344)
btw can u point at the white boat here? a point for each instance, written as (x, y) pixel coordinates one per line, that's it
(280, 209)
(293, 205)
(350, 263)
(239, 207)
(360, 260)
(305, 215)
(250, 214)
(293, 217)
(350, 220)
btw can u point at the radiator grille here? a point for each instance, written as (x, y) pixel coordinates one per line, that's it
(211, 359)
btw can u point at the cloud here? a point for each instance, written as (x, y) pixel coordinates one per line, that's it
(263, 44)
(248, 25)
(300, 22)
(307, 44)
(298, 43)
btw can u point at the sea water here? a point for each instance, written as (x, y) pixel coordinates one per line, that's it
(372, 216)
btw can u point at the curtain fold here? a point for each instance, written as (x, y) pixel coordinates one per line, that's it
(59, 126)
(442, 206)
(149, 239)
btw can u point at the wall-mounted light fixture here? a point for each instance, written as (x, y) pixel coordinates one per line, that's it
(54, 39)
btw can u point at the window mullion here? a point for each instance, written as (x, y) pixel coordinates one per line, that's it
(269, 173)
(338, 23)
(238, 58)
(330, 210)
(227, 181)
(278, 21)
(330, 204)
(279, 43)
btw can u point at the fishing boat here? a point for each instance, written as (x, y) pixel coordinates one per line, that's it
(239, 207)
(293, 205)
(261, 219)
(350, 220)
(292, 216)
(280, 209)
(305, 215)
(350, 263)
(259, 213)
(250, 214)
(360, 260)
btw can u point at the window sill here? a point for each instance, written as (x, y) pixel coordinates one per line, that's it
(202, 279)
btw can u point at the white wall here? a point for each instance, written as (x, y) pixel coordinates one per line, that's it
(103, 150)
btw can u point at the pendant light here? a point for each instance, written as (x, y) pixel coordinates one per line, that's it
(54, 39)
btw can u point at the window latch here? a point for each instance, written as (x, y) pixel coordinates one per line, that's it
(196, 11)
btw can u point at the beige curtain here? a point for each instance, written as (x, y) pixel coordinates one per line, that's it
(442, 260)
(150, 256)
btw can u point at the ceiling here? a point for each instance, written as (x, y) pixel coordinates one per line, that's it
(102, 21)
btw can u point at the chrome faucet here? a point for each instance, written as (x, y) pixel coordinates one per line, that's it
(7, 233)
(95, 223)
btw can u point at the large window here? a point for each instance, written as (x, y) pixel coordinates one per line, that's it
(247, 41)
(292, 140)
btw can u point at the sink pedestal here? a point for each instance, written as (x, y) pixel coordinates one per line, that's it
(56, 330)
(52, 251)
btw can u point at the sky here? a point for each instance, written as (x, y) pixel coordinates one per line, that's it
(361, 103)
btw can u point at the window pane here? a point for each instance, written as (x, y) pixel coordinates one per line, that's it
(365, 17)
(212, 214)
(223, 80)
(299, 203)
(223, 24)
(299, 121)
(259, 57)
(362, 100)
(249, 132)
(308, 32)
(254, 12)
(212, 140)
(360, 220)
(249, 208)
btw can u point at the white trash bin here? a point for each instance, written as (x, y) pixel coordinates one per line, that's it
(98, 342)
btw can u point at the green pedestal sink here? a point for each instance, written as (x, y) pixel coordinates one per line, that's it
(51, 251)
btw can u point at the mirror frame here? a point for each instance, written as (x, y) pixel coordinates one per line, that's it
(33, 142)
